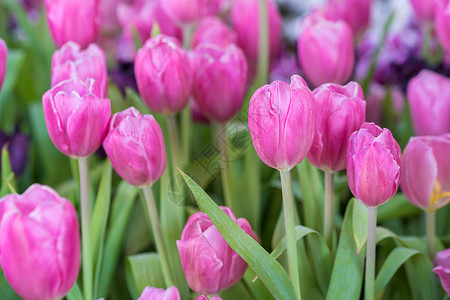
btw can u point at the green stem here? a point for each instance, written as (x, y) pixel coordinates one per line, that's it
(85, 227)
(263, 46)
(188, 30)
(289, 222)
(222, 137)
(174, 145)
(157, 233)
(431, 229)
(369, 292)
(186, 122)
(329, 209)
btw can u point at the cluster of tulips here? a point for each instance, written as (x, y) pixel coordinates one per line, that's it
(192, 65)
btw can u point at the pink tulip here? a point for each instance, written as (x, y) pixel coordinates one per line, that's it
(423, 9)
(135, 146)
(373, 164)
(429, 101)
(340, 110)
(163, 74)
(213, 30)
(325, 50)
(66, 16)
(203, 297)
(70, 62)
(425, 176)
(151, 293)
(442, 22)
(282, 121)
(442, 269)
(220, 80)
(39, 243)
(355, 12)
(191, 11)
(209, 263)
(76, 118)
(3, 56)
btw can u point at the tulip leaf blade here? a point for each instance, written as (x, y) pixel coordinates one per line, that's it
(263, 264)
(360, 219)
(8, 184)
(142, 270)
(74, 293)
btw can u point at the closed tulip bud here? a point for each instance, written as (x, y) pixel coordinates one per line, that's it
(281, 120)
(442, 269)
(355, 12)
(3, 56)
(135, 146)
(373, 164)
(70, 62)
(65, 16)
(209, 263)
(423, 9)
(163, 74)
(203, 297)
(325, 50)
(151, 293)
(39, 243)
(213, 30)
(191, 11)
(425, 176)
(340, 110)
(442, 22)
(429, 102)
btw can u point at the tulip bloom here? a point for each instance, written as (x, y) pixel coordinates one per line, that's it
(76, 118)
(135, 146)
(423, 9)
(325, 50)
(163, 74)
(442, 269)
(39, 243)
(442, 21)
(355, 12)
(3, 56)
(213, 30)
(220, 80)
(203, 297)
(282, 122)
(209, 263)
(340, 110)
(151, 293)
(191, 11)
(70, 62)
(429, 101)
(66, 16)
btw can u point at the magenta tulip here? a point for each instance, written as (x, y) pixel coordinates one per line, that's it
(191, 11)
(442, 22)
(135, 146)
(281, 120)
(373, 165)
(425, 178)
(151, 293)
(340, 110)
(355, 12)
(325, 50)
(220, 80)
(70, 62)
(442, 269)
(209, 263)
(3, 56)
(39, 243)
(213, 30)
(429, 102)
(203, 297)
(76, 118)
(423, 9)
(66, 16)
(163, 74)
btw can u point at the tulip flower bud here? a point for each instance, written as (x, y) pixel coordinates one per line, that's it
(3, 56)
(209, 263)
(281, 120)
(325, 50)
(220, 80)
(76, 118)
(70, 62)
(373, 164)
(39, 243)
(213, 30)
(191, 11)
(442, 269)
(203, 297)
(135, 146)
(425, 176)
(442, 21)
(163, 75)
(355, 12)
(65, 17)
(423, 9)
(340, 110)
(151, 293)
(429, 102)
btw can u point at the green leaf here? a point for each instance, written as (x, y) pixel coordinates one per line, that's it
(8, 184)
(360, 219)
(142, 270)
(74, 293)
(6, 291)
(256, 287)
(265, 266)
(395, 208)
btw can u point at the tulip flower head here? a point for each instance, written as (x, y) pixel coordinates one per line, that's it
(39, 243)
(355, 12)
(186, 12)
(425, 176)
(373, 164)
(151, 293)
(442, 23)
(203, 297)
(282, 122)
(423, 9)
(3, 56)
(442, 269)
(213, 30)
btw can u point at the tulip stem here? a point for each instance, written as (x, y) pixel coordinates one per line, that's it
(289, 223)
(369, 292)
(174, 145)
(187, 36)
(431, 229)
(222, 137)
(186, 122)
(263, 45)
(329, 209)
(85, 227)
(157, 233)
